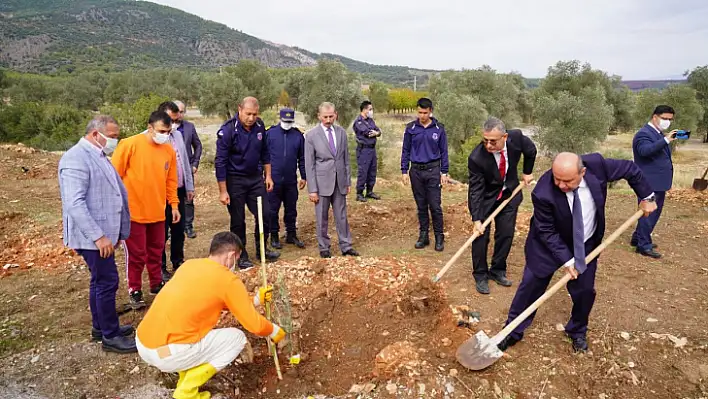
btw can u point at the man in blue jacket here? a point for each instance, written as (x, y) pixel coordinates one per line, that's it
(652, 153)
(286, 144)
(366, 133)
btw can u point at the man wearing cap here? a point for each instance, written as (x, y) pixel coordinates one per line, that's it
(241, 150)
(366, 133)
(286, 144)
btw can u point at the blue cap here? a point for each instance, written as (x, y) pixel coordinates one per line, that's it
(287, 115)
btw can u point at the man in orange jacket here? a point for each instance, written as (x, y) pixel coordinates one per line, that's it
(147, 164)
(177, 333)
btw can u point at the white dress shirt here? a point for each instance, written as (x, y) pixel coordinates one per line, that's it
(589, 211)
(334, 137)
(497, 157)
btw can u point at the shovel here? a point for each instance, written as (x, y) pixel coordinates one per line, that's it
(701, 184)
(271, 346)
(476, 234)
(480, 351)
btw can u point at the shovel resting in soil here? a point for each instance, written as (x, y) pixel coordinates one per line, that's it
(480, 351)
(701, 184)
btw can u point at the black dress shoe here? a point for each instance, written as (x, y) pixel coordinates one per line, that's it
(275, 242)
(580, 344)
(119, 344)
(292, 239)
(650, 253)
(166, 275)
(270, 255)
(507, 342)
(245, 264)
(125, 331)
(360, 198)
(482, 286)
(501, 280)
(190, 233)
(350, 252)
(439, 242)
(325, 254)
(156, 290)
(423, 240)
(373, 196)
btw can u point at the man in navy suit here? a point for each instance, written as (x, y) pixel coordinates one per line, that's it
(569, 222)
(652, 153)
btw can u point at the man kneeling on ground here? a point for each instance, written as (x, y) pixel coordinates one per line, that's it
(177, 333)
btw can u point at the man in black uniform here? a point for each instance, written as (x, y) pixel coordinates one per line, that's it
(425, 153)
(493, 175)
(241, 146)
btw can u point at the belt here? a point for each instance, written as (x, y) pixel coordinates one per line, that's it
(360, 146)
(425, 166)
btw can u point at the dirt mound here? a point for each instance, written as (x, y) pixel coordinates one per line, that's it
(422, 296)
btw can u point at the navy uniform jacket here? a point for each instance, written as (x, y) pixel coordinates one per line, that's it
(239, 152)
(362, 127)
(287, 154)
(549, 243)
(653, 156)
(424, 144)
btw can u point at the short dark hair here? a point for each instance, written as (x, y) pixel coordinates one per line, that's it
(364, 105)
(224, 242)
(663, 109)
(425, 103)
(160, 116)
(168, 106)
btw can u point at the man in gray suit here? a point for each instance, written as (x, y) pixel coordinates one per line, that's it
(96, 218)
(329, 178)
(194, 153)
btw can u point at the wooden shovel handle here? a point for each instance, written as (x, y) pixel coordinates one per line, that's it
(564, 280)
(486, 223)
(704, 174)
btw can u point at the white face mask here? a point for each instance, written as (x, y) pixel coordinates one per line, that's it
(287, 125)
(664, 124)
(370, 113)
(160, 138)
(111, 144)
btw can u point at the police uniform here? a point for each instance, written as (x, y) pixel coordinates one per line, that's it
(366, 159)
(287, 155)
(239, 153)
(425, 154)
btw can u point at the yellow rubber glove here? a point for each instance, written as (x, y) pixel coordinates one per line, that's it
(278, 334)
(264, 296)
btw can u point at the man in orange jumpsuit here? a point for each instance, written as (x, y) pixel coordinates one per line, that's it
(177, 333)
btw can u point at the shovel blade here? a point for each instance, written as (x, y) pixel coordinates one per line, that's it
(478, 352)
(700, 184)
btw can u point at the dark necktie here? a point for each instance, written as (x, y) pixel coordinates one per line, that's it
(330, 137)
(578, 233)
(502, 171)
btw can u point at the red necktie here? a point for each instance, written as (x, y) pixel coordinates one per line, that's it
(502, 171)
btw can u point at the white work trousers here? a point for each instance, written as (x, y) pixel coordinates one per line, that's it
(219, 348)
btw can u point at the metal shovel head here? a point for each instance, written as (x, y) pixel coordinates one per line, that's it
(700, 184)
(478, 352)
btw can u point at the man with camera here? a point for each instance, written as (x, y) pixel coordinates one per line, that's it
(652, 153)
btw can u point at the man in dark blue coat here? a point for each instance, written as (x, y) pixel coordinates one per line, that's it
(366, 133)
(568, 223)
(243, 172)
(652, 153)
(286, 144)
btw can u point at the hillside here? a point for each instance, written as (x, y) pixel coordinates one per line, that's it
(66, 35)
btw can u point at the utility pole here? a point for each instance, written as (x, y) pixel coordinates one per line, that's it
(415, 83)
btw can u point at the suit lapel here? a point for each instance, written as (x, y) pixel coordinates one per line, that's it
(596, 191)
(562, 204)
(104, 168)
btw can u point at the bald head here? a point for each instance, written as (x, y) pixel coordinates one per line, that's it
(248, 112)
(568, 171)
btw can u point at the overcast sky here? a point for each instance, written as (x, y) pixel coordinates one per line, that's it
(637, 39)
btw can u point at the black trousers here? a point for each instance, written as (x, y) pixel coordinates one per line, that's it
(244, 191)
(176, 232)
(428, 198)
(189, 213)
(504, 227)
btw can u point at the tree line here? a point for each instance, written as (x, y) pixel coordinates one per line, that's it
(574, 107)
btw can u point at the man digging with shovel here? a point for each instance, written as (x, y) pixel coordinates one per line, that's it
(568, 222)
